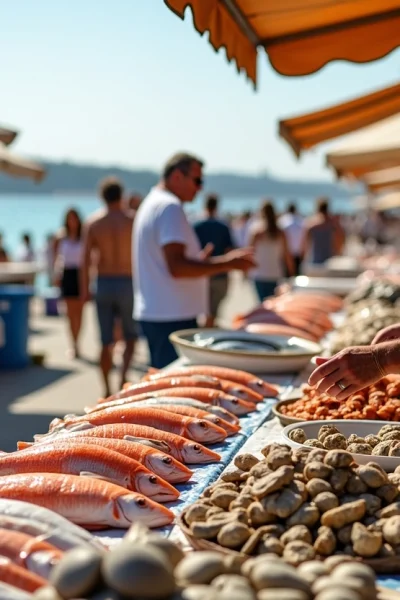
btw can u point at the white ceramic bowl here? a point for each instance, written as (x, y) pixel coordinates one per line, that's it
(328, 285)
(346, 427)
(294, 355)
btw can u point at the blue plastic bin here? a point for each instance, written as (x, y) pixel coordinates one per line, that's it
(51, 297)
(14, 324)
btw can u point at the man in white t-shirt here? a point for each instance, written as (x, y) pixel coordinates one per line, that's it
(292, 224)
(170, 269)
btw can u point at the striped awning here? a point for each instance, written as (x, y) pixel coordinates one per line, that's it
(305, 131)
(299, 36)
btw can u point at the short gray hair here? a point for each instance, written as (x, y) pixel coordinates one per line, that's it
(181, 161)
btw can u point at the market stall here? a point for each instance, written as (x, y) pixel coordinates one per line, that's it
(198, 452)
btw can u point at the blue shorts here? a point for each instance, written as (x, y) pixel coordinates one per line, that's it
(114, 300)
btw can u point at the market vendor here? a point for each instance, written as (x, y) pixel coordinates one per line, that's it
(357, 367)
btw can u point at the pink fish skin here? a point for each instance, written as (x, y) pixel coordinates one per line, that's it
(86, 501)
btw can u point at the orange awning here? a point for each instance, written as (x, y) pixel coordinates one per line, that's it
(308, 130)
(7, 135)
(299, 36)
(373, 148)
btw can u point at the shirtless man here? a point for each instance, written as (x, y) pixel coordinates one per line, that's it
(107, 251)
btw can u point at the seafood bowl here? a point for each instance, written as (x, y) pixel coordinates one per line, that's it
(285, 419)
(253, 352)
(346, 427)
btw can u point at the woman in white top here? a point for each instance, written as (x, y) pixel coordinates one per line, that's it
(271, 252)
(68, 262)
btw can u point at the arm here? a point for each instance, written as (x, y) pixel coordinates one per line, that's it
(356, 368)
(339, 239)
(388, 334)
(55, 261)
(287, 256)
(171, 228)
(180, 266)
(88, 245)
(306, 242)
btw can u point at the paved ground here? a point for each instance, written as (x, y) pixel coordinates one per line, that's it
(30, 398)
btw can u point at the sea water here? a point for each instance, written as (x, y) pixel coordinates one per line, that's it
(41, 215)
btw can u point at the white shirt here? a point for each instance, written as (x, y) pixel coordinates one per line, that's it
(161, 220)
(25, 254)
(268, 254)
(70, 252)
(292, 226)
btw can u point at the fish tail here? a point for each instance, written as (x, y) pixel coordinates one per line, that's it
(22, 445)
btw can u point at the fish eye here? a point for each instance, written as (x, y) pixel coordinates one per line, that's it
(167, 460)
(235, 401)
(259, 382)
(196, 448)
(217, 420)
(153, 479)
(203, 424)
(141, 502)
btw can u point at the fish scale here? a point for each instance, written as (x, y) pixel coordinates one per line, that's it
(243, 377)
(195, 429)
(166, 382)
(160, 463)
(179, 447)
(169, 405)
(86, 501)
(84, 458)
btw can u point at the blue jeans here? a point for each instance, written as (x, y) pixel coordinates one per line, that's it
(264, 288)
(162, 352)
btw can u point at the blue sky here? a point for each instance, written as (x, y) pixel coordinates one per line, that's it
(127, 82)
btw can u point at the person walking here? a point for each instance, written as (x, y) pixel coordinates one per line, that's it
(67, 262)
(3, 252)
(107, 243)
(169, 265)
(322, 238)
(212, 230)
(271, 252)
(26, 252)
(292, 225)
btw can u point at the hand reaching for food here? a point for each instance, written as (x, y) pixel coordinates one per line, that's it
(349, 371)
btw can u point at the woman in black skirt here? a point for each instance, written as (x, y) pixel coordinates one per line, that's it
(68, 261)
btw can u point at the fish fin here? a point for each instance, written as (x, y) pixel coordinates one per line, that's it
(55, 423)
(158, 445)
(22, 445)
(80, 427)
(97, 476)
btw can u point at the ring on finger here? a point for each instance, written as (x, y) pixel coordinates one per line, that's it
(341, 385)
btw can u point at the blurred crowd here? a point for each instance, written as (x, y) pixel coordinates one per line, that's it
(179, 266)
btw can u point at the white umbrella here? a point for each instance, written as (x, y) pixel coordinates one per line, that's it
(19, 167)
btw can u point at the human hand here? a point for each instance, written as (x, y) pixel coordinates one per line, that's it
(207, 251)
(241, 259)
(86, 296)
(387, 334)
(349, 371)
